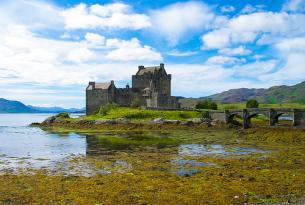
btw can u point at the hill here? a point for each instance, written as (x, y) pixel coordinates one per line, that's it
(273, 95)
(8, 106)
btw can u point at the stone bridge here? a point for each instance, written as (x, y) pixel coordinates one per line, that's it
(226, 116)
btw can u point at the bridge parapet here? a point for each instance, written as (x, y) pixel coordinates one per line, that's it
(273, 114)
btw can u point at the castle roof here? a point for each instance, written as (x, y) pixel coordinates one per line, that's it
(102, 85)
(148, 70)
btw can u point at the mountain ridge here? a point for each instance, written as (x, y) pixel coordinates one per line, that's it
(12, 106)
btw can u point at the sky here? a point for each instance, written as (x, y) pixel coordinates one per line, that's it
(51, 49)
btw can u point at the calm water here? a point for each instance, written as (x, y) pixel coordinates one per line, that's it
(26, 148)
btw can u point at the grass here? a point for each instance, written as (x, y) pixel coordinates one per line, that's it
(143, 114)
(226, 106)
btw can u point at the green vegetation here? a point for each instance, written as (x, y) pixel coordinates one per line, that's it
(206, 104)
(225, 106)
(135, 103)
(252, 104)
(63, 115)
(143, 114)
(104, 109)
(273, 176)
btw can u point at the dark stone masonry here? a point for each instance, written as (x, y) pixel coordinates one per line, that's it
(151, 86)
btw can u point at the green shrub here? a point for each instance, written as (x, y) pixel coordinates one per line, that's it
(135, 103)
(104, 109)
(206, 104)
(252, 103)
(206, 115)
(63, 115)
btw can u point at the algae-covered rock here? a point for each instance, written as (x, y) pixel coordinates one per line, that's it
(122, 121)
(49, 120)
(158, 120)
(174, 122)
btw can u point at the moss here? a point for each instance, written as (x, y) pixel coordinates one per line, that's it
(271, 177)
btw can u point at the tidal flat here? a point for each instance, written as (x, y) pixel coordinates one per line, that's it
(191, 166)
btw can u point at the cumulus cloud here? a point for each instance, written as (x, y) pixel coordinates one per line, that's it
(227, 9)
(115, 16)
(131, 51)
(95, 38)
(181, 20)
(294, 6)
(224, 60)
(240, 50)
(80, 55)
(249, 27)
(178, 53)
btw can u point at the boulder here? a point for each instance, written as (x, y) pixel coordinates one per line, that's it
(158, 121)
(122, 121)
(174, 122)
(195, 120)
(49, 120)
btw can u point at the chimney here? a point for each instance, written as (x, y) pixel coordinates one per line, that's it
(162, 65)
(141, 67)
(92, 84)
(112, 82)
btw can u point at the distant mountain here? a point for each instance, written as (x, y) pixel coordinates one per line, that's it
(9, 106)
(275, 94)
(56, 109)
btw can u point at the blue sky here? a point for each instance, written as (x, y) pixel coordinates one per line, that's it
(49, 50)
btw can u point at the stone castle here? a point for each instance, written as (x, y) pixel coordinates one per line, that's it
(151, 86)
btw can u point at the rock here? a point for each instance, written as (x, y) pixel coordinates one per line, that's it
(158, 121)
(58, 120)
(195, 120)
(174, 122)
(187, 123)
(104, 122)
(82, 122)
(122, 121)
(49, 120)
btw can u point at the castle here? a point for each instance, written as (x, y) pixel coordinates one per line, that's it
(151, 86)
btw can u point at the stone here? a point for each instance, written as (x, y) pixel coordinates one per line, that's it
(122, 121)
(49, 120)
(174, 122)
(195, 120)
(150, 85)
(158, 121)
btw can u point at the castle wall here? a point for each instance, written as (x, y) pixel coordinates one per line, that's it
(94, 100)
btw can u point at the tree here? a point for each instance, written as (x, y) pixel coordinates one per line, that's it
(252, 103)
(135, 103)
(206, 104)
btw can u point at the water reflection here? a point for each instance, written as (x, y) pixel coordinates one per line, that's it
(25, 148)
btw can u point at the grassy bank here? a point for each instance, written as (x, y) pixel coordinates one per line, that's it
(143, 114)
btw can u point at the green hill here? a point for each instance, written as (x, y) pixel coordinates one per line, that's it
(273, 95)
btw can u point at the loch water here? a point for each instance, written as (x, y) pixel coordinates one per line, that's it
(25, 148)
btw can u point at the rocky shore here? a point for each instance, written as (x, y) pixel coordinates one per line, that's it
(158, 123)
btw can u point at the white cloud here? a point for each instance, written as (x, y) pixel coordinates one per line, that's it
(294, 5)
(181, 20)
(95, 38)
(178, 53)
(225, 60)
(80, 55)
(248, 28)
(251, 9)
(115, 16)
(35, 14)
(131, 51)
(227, 9)
(241, 50)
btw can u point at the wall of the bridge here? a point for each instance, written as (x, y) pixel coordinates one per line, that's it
(273, 114)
